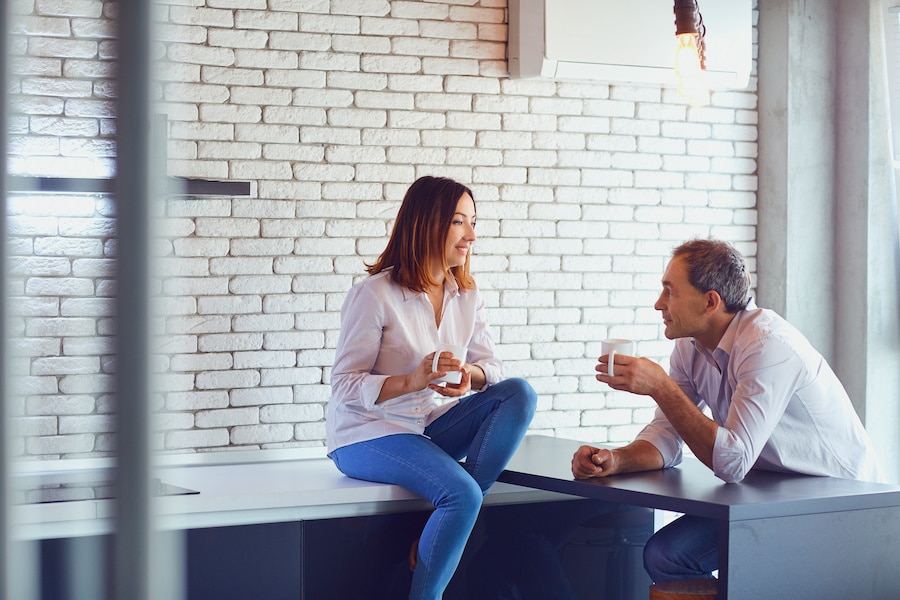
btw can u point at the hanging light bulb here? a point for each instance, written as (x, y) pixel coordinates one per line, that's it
(690, 67)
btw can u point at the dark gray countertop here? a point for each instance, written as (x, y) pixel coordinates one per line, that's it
(545, 463)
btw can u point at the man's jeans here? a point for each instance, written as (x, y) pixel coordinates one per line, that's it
(686, 548)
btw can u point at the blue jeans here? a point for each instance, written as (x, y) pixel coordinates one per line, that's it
(686, 548)
(486, 429)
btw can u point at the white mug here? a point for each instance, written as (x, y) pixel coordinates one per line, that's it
(613, 347)
(458, 352)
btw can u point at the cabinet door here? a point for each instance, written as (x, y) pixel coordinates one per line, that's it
(245, 562)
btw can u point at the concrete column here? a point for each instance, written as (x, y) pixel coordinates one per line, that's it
(828, 251)
(796, 160)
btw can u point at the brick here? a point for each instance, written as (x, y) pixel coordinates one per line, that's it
(37, 385)
(293, 340)
(62, 48)
(40, 26)
(257, 434)
(92, 346)
(261, 396)
(202, 55)
(291, 413)
(92, 227)
(207, 438)
(229, 305)
(86, 424)
(197, 400)
(198, 324)
(40, 266)
(316, 393)
(296, 265)
(313, 432)
(200, 247)
(293, 303)
(34, 426)
(266, 20)
(86, 384)
(231, 379)
(195, 286)
(226, 418)
(87, 307)
(269, 59)
(261, 247)
(64, 127)
(229, 342)
(240, 266)
(201, 362)
(246, 284)
(93, 267)
(252, 4)
(296, 79)
(377, 8)
(59, 327)
(32, 65)
(60, 405)
(287, 377)
(275, 133)
(271, 322)
(264, 359)
(59, 444)
(94, 28)
(176, 343)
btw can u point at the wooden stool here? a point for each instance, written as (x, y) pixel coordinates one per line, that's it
(684, 589)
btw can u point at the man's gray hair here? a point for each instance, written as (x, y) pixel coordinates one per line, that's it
(714, 265)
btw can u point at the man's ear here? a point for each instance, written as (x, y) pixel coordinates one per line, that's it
(713, 301)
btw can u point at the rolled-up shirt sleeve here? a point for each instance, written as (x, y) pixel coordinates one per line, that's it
(663, 436)
(763, 376)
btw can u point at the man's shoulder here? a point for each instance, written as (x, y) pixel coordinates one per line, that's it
(763, 326)
(762, 321)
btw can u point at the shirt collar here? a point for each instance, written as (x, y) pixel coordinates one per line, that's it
(450, 287)
(726, 344)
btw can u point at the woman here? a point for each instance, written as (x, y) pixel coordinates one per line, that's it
(388, 420)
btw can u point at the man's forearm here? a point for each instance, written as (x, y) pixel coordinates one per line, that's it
(696, 429)
(639, 455)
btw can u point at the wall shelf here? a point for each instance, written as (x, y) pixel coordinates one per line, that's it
(175, 186)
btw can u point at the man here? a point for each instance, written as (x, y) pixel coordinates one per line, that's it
(775, 404)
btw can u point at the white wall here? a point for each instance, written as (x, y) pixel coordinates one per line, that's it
(330, 110)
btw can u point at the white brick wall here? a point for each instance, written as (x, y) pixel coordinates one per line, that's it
(330, 110)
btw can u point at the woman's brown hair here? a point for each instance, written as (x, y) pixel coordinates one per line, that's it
(419, 234)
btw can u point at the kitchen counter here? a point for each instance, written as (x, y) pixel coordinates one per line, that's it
(232, 488)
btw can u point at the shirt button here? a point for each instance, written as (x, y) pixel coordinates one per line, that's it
(416, 409)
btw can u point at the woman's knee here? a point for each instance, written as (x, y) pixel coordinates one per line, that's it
(523, 394)
(463, 494)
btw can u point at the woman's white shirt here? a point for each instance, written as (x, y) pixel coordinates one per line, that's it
(386, 330)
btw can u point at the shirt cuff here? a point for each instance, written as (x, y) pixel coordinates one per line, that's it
(370, 389)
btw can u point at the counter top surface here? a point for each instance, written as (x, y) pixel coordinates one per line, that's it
(545, 462)
(234, 488)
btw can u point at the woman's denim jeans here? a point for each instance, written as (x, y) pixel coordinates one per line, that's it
(486, 429)
(686, 548)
